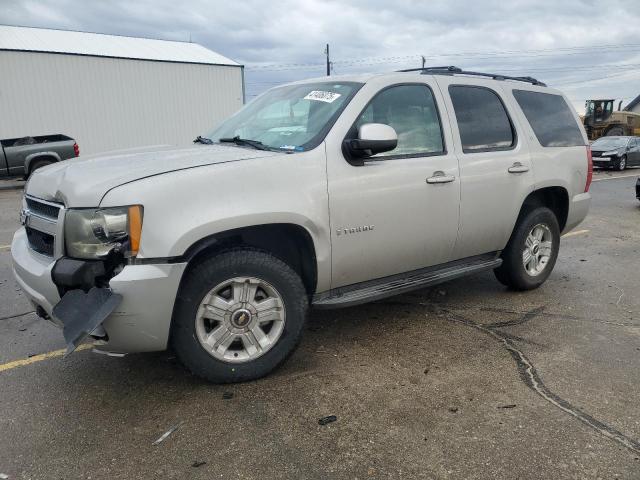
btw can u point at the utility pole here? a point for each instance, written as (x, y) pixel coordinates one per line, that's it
(424, 60)
(326, 51)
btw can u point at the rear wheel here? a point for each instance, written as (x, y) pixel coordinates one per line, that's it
(238, 316)
(530, 255)
(39, 164)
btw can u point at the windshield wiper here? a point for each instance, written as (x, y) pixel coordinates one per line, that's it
(245, 141)
(205, 140)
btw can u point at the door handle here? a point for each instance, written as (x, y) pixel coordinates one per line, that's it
(517, 167)
(440, 177)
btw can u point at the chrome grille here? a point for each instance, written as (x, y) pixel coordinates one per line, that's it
(41, 242)
(43, 223)
(44, 209)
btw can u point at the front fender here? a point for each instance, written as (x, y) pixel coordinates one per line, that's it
(186, 206)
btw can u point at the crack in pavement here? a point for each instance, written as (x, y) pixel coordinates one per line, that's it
(562, 316)
(17, 315)
(432, 306)
(531, 378)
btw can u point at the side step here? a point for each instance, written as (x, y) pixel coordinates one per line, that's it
(397, 284)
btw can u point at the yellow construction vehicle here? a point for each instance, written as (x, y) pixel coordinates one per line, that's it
(601, 120)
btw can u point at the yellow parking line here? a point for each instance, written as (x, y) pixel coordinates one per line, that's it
(575, 232)
(5, 247)
(39, 358)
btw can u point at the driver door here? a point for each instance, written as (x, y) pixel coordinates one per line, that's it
(389, 215)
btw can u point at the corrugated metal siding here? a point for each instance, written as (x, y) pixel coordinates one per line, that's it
(99, 44)
(108, 104)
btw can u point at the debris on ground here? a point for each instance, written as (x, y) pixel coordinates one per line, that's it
(511, 405)
(166, 434)
(227, 395)
(326, 420)
(453, 409)
(197, 464)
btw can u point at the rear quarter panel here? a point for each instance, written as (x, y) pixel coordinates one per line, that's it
(554, 166)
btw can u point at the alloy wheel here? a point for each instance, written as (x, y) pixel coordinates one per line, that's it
(537, 250)
(240, 319)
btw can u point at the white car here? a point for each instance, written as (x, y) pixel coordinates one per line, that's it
(324, 193)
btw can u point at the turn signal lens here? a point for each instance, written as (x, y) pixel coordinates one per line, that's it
(135, 229)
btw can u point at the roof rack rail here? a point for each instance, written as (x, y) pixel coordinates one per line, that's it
(451, 70)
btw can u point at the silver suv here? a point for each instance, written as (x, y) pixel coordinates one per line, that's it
(324, 193)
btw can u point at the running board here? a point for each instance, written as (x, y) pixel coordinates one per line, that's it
(397, 284)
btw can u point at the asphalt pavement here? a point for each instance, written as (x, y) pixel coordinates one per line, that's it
(465, 380)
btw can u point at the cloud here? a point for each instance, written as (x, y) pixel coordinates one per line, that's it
(284, 40)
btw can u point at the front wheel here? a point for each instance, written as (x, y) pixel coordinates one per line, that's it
(530, 255)
(238, 316)
(614, 132)
(621, 164)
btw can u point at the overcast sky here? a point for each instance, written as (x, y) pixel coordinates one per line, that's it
(589, 49)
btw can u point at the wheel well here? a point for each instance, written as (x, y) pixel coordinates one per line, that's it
(34, 160)
(290, 243)
(554, 198)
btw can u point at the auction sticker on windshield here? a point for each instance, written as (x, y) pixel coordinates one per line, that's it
(322, 96)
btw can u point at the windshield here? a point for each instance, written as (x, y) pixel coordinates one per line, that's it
(609, 143)
(290, 118)
(601, 108)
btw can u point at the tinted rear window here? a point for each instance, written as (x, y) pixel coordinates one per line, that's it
(550, 117)
(482, 119)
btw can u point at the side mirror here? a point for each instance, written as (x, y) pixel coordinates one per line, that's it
(372, 138)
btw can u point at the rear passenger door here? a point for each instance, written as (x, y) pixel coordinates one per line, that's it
(495, 165)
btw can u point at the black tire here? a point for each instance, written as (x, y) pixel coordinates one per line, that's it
(219, 268)
(621, 163)
(512, 272)
(614, 132)
(38, 164)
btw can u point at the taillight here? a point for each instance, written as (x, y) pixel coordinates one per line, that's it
(589, 169)
(76, 149)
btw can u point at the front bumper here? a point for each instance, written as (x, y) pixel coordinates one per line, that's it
(604, 161)
(141, 322)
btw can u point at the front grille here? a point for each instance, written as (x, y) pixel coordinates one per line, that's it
(43, 209)
(41, 242)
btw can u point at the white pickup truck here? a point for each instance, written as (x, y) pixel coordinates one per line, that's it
(325, 193)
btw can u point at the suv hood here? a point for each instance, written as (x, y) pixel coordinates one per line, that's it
(82, 182)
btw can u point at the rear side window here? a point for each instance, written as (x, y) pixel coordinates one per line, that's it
(482, 119)
(550, 117)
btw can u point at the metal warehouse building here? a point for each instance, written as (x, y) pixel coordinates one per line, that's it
(111, 92)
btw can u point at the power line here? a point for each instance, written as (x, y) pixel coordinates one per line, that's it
(560, 51)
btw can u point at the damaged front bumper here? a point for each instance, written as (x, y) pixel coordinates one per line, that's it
(134, 316)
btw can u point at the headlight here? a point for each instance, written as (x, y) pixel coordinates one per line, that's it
(93, 233)
(612, 153)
